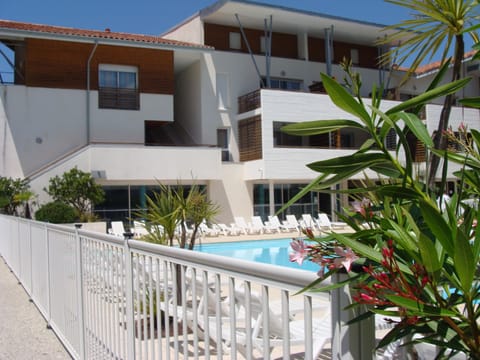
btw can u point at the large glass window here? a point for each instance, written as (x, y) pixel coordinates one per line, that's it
(285, 84)
(223, 143)
(123, 202)
(280, 139)
(118, 87)
(283, 193)
(235, 41)
(261, 201)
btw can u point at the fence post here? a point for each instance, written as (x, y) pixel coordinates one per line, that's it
(350, 342)
(49, 288)
(79, 259)
(129, 300)
(31, 293)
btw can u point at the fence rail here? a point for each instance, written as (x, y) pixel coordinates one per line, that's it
(107, 297)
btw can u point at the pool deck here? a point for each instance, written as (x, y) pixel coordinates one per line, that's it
(265, 236)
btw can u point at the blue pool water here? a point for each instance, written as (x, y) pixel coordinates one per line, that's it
(266, 251)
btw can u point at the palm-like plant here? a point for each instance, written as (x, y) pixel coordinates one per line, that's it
(174, 208)
(436, 27)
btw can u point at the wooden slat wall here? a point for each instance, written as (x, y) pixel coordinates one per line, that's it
(283, 45)
(250, 138)
(61, 64)
(367, 55)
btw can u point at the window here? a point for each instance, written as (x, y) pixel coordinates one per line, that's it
(118, 87)
(223, 143)
(235, 41)
(281, 139)
(263, 44)
(354, 56)
(285, 84)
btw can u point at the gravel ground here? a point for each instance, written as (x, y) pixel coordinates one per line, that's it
(23, 330)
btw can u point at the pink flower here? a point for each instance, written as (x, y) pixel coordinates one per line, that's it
(300, 251)
(361, 207)
(345, 259)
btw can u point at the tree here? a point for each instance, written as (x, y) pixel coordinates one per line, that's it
(175, 208)
(437, 26)
(78, 189)
(14, 193)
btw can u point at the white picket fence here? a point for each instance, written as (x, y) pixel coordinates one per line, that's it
(111, 298)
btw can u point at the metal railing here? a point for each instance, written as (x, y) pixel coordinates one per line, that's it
(107, 297)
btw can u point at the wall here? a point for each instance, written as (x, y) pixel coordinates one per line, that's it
(187, 91)
(60, 64)
(283, 45)
(45, 123)
(232, 193)
(282, 106)
(190, 31)
(9, 162)
(49, 123)
(128, 126)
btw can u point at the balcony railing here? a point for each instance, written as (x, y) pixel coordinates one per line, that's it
(118, 98)
(125, 299)
(248, 102)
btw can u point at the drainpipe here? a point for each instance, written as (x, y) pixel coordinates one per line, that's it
(88, 90)
(329, 49)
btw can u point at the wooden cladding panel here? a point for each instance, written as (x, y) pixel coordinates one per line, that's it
(283, 45)
(60, 64)
(367, 55)
(155, 67)
(56, 64)
(250, 138)
(316, 49)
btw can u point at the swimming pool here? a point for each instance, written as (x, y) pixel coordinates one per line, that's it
(266, 251)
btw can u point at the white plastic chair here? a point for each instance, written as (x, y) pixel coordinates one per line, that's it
(292, 221)
(324, 223)
(117, 228)
(278, 226)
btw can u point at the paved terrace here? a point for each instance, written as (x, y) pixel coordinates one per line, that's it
(23, 331)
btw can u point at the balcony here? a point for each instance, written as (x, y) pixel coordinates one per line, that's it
(118, 98)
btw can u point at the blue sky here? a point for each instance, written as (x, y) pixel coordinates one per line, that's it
(156, 16)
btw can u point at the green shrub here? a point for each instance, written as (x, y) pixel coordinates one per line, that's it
(56, 212)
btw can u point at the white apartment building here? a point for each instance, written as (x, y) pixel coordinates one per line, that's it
(201, 103)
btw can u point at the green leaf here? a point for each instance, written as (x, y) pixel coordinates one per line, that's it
(386, 168)
(343, 99)
(345, 163)
(418, 308)
(429, 95)
(438, 226)
(458, 158)
(367, 145)
(359, 248)
(429, 254)
(471, 102)
(397, 192)
(305, 190)
(464, 262)
(319, 127)
(404, 239)
(417, 127)
(476, 137)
